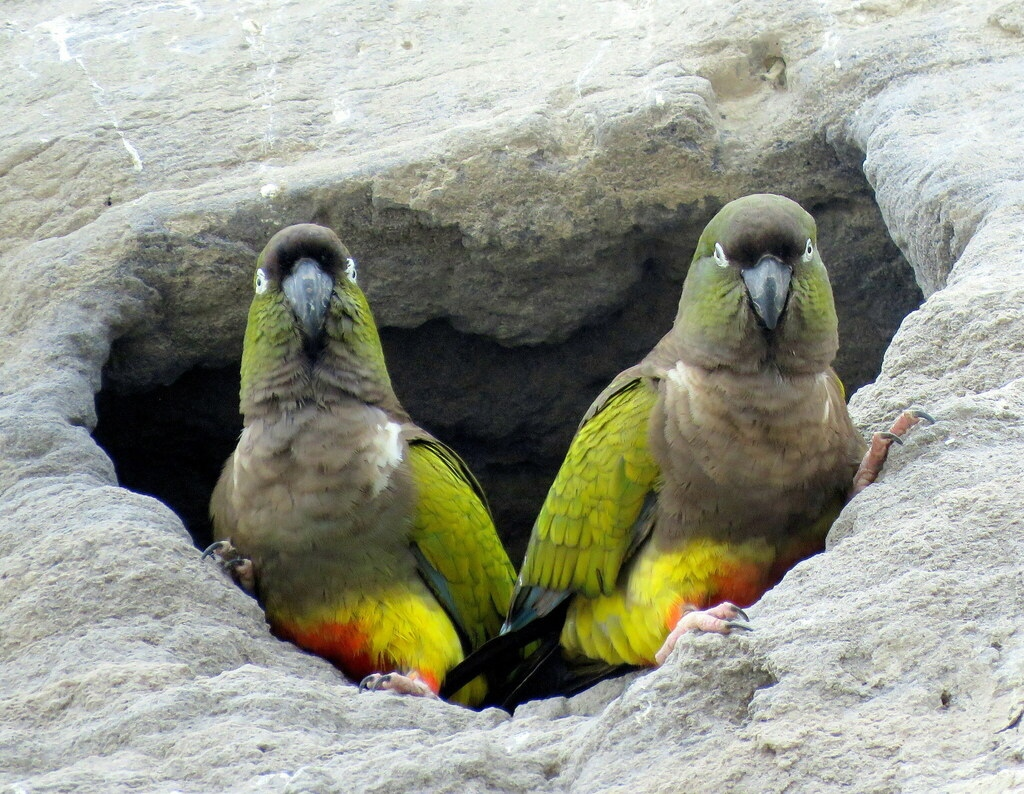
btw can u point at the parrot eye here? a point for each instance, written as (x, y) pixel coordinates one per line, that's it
(350, 269)
(260, 282)
(808, 251)
(720, 259)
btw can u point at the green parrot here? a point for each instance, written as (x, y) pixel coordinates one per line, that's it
(366, 540)
(698, 477)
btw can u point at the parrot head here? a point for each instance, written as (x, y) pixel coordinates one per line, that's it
(309, 320)
(757, 294)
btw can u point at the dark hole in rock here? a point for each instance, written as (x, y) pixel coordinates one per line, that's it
(509, 411)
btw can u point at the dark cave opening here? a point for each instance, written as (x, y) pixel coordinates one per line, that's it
(510, 412)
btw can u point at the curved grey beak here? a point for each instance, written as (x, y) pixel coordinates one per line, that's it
(309, 289)
(768, 287)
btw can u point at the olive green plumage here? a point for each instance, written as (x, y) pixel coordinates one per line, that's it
(370, 540)
(700, 475)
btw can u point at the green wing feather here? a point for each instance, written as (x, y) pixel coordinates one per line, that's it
(461, 557)
(585, 530)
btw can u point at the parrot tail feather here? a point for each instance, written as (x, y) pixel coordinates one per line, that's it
(547, 673)
(502, 659)
(527, 663)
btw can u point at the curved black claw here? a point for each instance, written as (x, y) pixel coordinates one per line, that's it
(215, 548)
(891, 437)
(228, 558)
(739, 624)
(917, 413)
(374, 681)
(740, 613)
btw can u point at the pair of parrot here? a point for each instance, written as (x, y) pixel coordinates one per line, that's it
(694, 481)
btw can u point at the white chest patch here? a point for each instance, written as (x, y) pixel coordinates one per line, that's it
(385, 453)
(679, 374)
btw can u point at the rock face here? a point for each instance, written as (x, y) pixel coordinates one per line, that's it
(523, 186)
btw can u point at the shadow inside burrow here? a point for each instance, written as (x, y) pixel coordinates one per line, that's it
(509, 411)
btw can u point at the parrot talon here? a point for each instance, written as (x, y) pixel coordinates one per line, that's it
(238, 564)
(374, 681)
(878, 450)
(216, 548)
(240, 568)
(719, 619)
(397, 683)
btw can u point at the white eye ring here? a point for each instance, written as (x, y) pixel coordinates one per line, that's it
(261, 281)
(808, 251)
(350, 269)
(720, 258)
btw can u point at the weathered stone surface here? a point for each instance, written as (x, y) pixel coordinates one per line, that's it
(528, 181)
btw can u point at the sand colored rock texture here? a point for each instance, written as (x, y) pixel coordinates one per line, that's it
(522, 184)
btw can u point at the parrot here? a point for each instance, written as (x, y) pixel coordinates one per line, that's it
(366, 540)
(699, 476)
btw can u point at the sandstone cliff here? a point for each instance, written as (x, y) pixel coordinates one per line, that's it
(522, 184)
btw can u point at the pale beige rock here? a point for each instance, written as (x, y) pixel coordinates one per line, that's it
(523, 174)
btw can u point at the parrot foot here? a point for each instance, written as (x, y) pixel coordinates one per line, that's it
(878, 451)
(720, 619)
(240, 568)
(410, 684)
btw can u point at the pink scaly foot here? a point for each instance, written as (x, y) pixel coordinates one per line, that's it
(240, 568)
(720, 619)
(878, 450)
(410, 684)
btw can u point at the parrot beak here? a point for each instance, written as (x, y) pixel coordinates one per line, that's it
(309, 290)
(768, 288)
